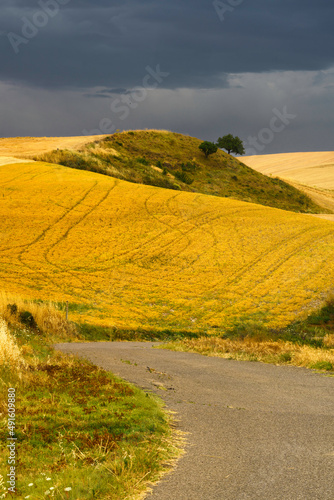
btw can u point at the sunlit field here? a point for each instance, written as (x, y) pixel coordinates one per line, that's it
(129, 256)
(311, 173)
(27, 147)
(312, 169)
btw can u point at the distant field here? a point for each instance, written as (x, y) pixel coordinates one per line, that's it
(312, 173)
(312, 169)
(7, 160)
(28, 147)
(129, 255)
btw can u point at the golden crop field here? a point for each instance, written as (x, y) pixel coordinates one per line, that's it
(130, 255)
(28, 147)
(312, 173)
(312, 169)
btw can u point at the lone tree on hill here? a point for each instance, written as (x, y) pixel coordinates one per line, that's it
(231, 144)
(208, 148)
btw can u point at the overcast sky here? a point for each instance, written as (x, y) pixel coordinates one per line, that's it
(260, 69)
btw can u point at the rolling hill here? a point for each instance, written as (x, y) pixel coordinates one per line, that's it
(173, 161)
(129, 255)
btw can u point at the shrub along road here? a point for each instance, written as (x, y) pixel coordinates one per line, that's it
(255, 431)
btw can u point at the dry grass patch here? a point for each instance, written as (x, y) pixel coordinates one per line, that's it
(250, 349)
(10, 353)
(47, 318)
(329, 340)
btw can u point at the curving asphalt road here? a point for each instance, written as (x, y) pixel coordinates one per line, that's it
(256, 431)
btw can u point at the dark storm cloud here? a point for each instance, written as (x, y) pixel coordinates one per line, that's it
(108, 44)
(107, 93)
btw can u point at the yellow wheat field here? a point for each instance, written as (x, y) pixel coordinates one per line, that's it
(312, 173)
(312, 169)
(130, 255)
(28, 147)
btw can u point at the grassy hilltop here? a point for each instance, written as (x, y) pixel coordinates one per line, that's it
(173, 161)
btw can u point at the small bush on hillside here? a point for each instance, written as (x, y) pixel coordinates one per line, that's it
(189, 167)
(208, 148)
(12, 308)
(143, 161)
(184, 177)
(163, 182)
(27, 319)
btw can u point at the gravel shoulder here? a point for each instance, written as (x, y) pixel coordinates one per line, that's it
(255, 431)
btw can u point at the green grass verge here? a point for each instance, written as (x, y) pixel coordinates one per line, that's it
(82, 433)
(311, 331)
(308, 343)
(93, 333)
